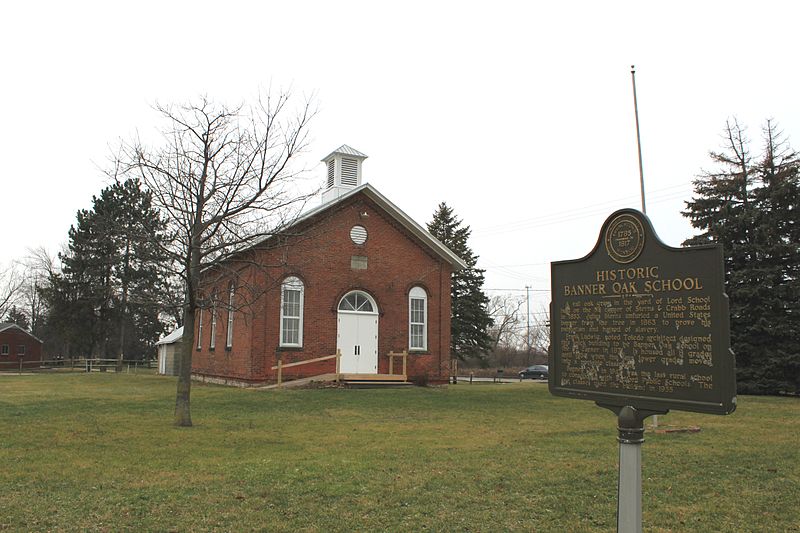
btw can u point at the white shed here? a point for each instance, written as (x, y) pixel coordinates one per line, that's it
(167, 353)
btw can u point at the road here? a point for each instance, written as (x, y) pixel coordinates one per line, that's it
(465, 379)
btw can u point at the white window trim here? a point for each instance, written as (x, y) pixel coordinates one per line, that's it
(292, 283)
(200, 328)
(418, 293)
(229, 333)
(212, 344)
(358, 294)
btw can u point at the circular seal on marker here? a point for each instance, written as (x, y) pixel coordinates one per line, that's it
(624, 238)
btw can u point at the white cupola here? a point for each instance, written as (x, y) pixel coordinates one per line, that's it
(343, 167)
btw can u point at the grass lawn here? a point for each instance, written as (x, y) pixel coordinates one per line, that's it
(98, 453)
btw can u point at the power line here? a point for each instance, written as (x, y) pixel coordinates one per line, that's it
(533, 313)
(521, 264)
(520, 290)
(575, 214)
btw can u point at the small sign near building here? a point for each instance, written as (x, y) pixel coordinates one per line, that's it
(639, 323)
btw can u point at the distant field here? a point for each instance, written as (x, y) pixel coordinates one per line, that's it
(97, 453)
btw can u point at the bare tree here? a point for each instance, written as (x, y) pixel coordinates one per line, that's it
(12, 285)
(39, 266)
(538, 341)
(514, 343)
(222, 177)
(505, 310)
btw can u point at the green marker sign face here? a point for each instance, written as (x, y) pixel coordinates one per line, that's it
(639, 323)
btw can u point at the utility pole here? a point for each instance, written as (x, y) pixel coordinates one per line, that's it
(528, 317)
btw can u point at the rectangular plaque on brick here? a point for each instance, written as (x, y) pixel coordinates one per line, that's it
(639, 323)
(358, 262)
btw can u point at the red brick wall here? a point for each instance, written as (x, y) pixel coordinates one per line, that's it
(235, 361)
(320, 255)
(14, 338)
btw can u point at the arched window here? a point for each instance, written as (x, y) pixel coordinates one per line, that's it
(213, 343)
(229, 337)
(357, 301)
(199, 328)
(417, 319)
(292, 312)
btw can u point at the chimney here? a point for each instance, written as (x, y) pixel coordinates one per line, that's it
(343, 167)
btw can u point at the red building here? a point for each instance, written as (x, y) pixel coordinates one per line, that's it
(18, 344)
(354, 274)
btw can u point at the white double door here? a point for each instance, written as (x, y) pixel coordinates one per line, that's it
(357, 338)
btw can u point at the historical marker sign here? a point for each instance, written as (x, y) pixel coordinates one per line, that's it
(642, 324)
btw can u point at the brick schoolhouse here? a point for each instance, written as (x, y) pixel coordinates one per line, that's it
(355, 274)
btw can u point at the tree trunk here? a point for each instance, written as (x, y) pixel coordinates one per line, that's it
(183, 416)
(124, 305)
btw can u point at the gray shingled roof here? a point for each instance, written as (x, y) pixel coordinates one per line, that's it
(345, 150)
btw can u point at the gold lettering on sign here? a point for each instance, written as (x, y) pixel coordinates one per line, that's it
(630, 329)
(634, 280)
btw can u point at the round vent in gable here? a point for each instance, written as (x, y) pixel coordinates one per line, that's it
(358, 234)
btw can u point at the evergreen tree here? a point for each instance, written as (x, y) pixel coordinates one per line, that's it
(470, 318)
(751, 208)
(105, 300)
(69, 322)
(16, 316)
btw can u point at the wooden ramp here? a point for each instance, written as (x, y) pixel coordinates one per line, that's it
(302, 382)
(357, 381)
(349, 380)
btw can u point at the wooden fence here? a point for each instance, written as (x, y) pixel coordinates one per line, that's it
(82, 364)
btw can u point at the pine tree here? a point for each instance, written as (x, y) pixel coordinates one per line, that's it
(16, 316)
(751, 208)
(775, 332)
(470, 319)
(69, 321)
(137, 267)
(105, 300)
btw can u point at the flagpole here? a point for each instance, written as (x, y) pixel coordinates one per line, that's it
(641, 172)
(638, 137)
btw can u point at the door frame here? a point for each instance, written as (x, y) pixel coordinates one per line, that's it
(374, 313)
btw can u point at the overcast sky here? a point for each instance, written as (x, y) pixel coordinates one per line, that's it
(519, 115)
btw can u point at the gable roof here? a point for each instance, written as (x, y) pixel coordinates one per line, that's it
(396, 213)
(173, 337)
(10, 325)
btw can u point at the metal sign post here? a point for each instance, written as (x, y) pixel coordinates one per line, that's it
(630, 425)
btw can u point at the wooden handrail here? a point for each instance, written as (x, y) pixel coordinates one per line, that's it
(298, 363)
(392, 355)
(280, 366)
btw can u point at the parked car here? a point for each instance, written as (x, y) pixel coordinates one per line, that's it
(534, 372)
